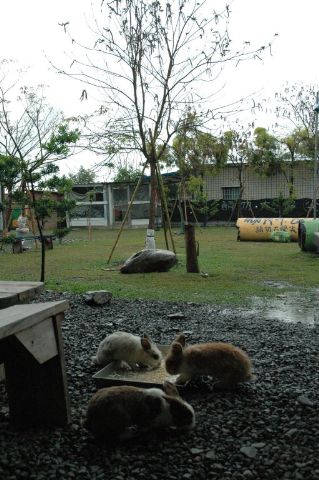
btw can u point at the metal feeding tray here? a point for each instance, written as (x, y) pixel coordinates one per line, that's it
(110, 376)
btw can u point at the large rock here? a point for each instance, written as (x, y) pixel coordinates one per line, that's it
(149, 260)
(98, 297)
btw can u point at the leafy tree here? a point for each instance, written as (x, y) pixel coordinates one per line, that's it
(273, 155)
(10, 176)
(195, 153)
(37, 137)
(200, 200)
(266, 156)
(150, 60)
(48, 204)
(127, 174)
(83, 176)
(298, 142)
(239, 146)
(295, 106)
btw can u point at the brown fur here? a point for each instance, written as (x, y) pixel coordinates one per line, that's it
(112, 410)
(225, 362)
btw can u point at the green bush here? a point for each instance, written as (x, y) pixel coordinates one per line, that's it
(9, 238)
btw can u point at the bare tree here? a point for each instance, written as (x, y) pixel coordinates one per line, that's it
(295, 103)
(153, 59)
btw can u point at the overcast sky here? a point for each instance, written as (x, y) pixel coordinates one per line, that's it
(29, 32)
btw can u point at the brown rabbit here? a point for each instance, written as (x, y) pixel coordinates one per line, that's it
(112, 410)
(227, 363)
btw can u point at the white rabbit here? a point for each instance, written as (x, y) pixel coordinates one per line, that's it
(112, 410)
(227, 363)
(131, 349)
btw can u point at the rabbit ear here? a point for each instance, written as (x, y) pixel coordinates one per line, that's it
(177, 348)
(170, 389)
(181, 339)
(145, 343)
(146, 336)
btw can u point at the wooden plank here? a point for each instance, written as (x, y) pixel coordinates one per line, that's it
(12, 293)
(19, 317)
(57, 321)
(39, 340)
(18, 287)
(7, 299)
(7, 295)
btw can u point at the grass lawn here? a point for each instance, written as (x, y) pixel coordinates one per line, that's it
(236, 270)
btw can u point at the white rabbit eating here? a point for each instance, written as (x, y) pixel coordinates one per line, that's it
(133, 350)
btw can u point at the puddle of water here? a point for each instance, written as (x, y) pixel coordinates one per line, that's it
(291, 307)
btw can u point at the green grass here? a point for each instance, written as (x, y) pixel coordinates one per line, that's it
(236, 270)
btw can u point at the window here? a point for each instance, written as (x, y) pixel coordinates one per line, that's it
(140, 211)
(119, 195)
(142, 194)
(88, 210)
(231, 193)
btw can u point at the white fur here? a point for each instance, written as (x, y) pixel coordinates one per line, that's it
(123, 346)
(164, 419)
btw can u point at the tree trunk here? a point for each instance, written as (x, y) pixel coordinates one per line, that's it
(191, 250)
(153, 199)
(181, 213)
(7, 213)
(150, 239)
(42, 276)
(291, 181)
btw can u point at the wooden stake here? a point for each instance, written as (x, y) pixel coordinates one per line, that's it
(191, 250)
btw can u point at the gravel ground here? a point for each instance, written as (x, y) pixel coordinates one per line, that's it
(268, 429)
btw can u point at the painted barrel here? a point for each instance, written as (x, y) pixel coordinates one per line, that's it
(261, 229)
(306, 236)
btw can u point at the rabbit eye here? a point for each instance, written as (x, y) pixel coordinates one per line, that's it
(155, 356)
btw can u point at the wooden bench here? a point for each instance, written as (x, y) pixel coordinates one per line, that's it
(31, 348)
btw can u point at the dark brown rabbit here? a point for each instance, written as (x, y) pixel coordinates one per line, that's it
(227, 363)
(112, 410)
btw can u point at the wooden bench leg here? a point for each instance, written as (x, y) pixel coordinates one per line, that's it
(37, 390)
